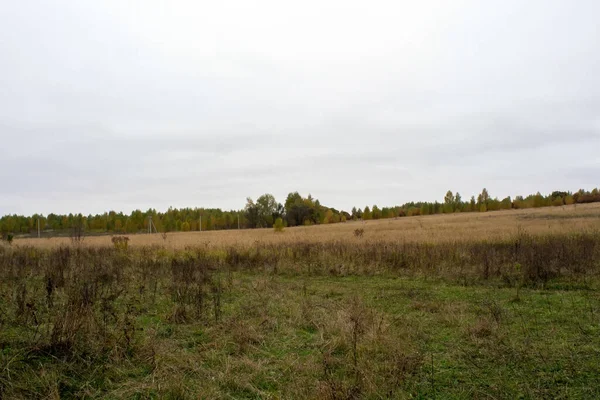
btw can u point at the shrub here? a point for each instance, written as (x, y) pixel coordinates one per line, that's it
(8, 238)
(278, 225)
(359, 233)
(120, 242)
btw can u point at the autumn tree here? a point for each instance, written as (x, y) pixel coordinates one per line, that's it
(448, 202)
(328, 217)
(367, 214)
(482, 200)
(376, 212)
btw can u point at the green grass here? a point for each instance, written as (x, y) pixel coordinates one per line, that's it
(289, 337)
(511, 319)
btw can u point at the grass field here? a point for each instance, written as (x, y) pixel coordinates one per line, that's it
(441, 227)
(495, 305)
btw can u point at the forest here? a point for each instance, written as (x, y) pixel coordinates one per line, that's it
(265, 210)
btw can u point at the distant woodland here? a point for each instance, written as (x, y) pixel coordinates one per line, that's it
(265, 210)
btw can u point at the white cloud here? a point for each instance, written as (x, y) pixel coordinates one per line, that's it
(141, 104)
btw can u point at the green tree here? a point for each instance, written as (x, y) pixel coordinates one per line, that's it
(367, 214)
(458, 205)
(267, 208)
(538, 200)
(375, 212)
(251, 213)
(482, 200)
(449, 200)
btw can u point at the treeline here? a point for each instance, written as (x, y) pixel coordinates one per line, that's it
(264, 212)
(484, 202)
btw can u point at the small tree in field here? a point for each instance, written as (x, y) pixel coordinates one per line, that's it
(278, 225)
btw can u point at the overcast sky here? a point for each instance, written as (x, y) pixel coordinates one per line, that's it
(137, 104)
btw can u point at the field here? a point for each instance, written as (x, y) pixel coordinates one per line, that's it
(496, 305)
(497, 225)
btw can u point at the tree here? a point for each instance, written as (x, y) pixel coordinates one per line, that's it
(538, 200)
(569, 200)
(279, 212)
(359, 213)
(295, 209)
(482, 200)
(448, 206)
(376, 212)
(458, 202)
(301, 211)
(328, 217)
(385, 212)
(485, 195)
(367, 214)
(267, 207)
(251, 213)
(449, 198)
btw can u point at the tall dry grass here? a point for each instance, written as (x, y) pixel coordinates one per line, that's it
(497, 225)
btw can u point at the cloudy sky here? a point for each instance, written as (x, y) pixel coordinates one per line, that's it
(137, 104)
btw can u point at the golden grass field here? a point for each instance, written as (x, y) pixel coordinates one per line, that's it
(434, 228)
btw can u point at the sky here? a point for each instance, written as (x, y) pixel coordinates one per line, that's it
(123, 105)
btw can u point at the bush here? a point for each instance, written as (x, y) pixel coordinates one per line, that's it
(120, 242)
(8, 238)
(278, 225)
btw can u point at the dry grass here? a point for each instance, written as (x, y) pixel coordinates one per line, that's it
(497, 225)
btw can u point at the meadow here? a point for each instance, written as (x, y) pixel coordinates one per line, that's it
(497, 225)
(482, 305)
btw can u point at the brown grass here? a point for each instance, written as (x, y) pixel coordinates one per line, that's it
(497, 225)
